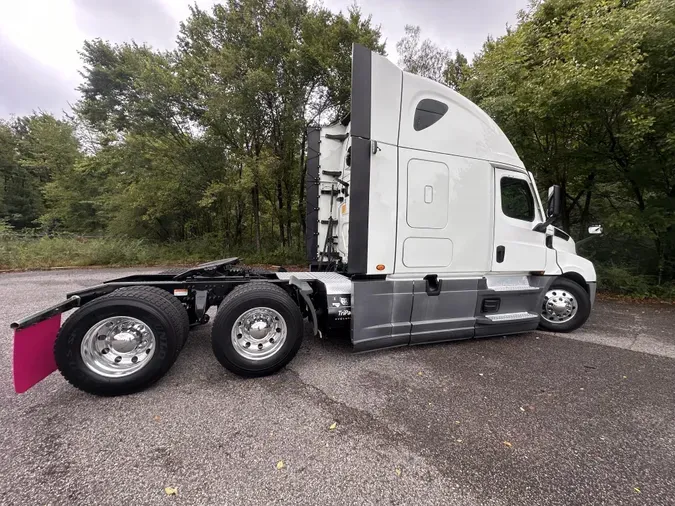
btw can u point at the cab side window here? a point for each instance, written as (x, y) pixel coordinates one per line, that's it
(517, 200)
(427, 113)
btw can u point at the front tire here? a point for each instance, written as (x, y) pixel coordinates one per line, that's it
(257, 330)
(565, 308)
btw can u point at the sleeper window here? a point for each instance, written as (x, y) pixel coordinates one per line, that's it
(428, 112)
(517, 200)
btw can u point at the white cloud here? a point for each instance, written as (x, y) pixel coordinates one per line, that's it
(40, 39)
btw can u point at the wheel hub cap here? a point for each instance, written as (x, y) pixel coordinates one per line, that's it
(124, 342)
(259, 333)
(118, 346)
(259, 330)
(559, 306)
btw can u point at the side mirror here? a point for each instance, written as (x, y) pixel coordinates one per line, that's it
(554, 203)
(595, 230)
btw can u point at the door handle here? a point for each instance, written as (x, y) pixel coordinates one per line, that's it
(501, 251)
(428, 194)
(434, 284)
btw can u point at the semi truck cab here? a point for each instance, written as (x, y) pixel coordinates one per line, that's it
(421, 200)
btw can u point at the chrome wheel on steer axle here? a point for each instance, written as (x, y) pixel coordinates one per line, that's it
(559, 306)
(259, 333)
(118, 346)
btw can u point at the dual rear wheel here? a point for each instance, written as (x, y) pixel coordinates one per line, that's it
(125, 341)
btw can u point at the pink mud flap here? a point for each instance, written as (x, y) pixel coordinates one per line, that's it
(34, 353)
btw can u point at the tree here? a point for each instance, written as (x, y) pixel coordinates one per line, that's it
(457, 71)
(423, 58)
(33, 151)
(209, 139)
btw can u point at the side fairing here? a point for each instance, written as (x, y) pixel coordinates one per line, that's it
(372, 206)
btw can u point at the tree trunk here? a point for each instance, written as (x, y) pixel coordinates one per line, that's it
(280, 201)
(302, 205)
(255, 201)
(238, 225)
(289, 202)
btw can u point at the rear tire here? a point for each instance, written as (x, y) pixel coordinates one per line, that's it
(86, 360)
(257, 330)
(572, 302)
(179, 316)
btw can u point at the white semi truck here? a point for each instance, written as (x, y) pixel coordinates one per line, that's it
(423, 225)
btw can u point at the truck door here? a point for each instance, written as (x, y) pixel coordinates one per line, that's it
(517, 247)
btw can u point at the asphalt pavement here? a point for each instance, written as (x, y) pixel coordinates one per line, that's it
(586, 418)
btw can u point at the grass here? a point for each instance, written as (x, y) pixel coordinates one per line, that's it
(21, 253)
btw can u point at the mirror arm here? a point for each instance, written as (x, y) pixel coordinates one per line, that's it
(541, 227)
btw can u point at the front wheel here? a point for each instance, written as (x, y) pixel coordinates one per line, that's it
(566, 306)
(257, 330)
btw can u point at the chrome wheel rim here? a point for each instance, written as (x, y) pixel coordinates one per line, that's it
(259, 333)
(118, 347)
(560, 306)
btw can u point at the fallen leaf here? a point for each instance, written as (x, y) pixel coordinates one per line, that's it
(280, 465)
(333, 426)
(171, 490)
(157, 418)
(508, 444)
(397, 471)
(637, 490)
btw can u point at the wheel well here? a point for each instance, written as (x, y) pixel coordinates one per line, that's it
(577, 278)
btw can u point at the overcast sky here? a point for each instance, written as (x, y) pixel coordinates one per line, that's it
(39, 39)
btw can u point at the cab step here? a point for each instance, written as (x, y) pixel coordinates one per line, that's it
(515, 288)
(500, 318)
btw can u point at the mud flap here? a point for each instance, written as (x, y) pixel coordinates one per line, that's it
(34, 353)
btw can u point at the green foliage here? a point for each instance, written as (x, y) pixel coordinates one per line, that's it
(33, 151)
(209, 139)
(617, 279)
